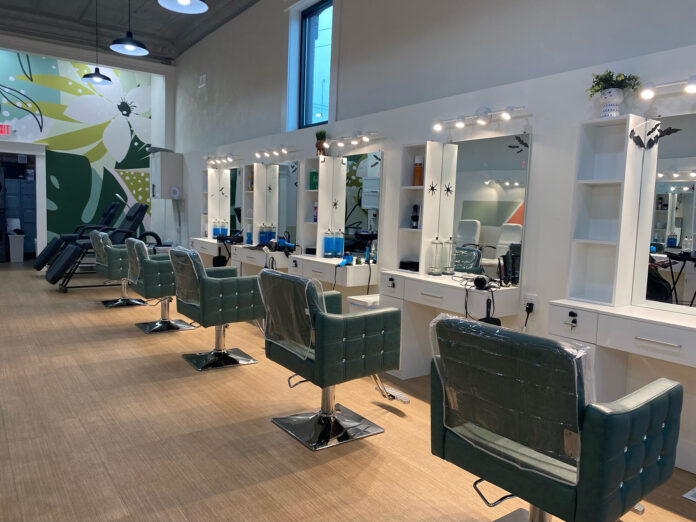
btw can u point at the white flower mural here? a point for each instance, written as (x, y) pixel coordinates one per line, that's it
(122, 111)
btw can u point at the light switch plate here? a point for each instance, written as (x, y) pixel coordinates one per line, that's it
(691, 495)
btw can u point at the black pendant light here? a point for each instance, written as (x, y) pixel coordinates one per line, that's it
(185, 6)
(96, 77)
(129, 45)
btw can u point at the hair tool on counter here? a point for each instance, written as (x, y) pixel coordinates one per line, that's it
(283, 244)
(490, 311)
(226, 241)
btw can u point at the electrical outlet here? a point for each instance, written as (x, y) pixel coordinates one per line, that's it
(529, 298)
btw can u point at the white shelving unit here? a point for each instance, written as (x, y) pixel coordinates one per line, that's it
(605, 210)
(306, 226)
(217, 197)
(247, 175)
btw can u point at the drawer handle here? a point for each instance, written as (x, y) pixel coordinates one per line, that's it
(427, 294)
(655, 341)
(317, 271)
(573, 323)
(250, 257)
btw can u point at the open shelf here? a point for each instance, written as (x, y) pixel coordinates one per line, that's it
(592, 272)
(412, 187)
(405, 229)
(597, 212)
(602, 150)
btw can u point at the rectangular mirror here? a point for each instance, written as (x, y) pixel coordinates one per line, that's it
(363, 178)
(237, 191)
(489, 198)
(666, 275)
(287, 200)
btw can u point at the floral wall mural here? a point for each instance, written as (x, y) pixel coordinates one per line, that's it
(97, 137)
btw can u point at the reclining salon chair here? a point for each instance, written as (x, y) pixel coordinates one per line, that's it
(111, 263)
(306, 333)
(153, 278)
(214, 297)
(57, 244)
(517, 411)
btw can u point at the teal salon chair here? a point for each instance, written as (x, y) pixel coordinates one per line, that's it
(111, 263)
(467, 259)
(214, 297)
(517, 411)
(152, 276)
(306, 333)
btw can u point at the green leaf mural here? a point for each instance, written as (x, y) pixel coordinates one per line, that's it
(68, 188)
(138, 156)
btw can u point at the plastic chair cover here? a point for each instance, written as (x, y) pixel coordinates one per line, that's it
(468, 231)
(467, 259)
(516, 396)
(509, 233)
(188, 273)
(291, 302)
(137, 253)
(100, 241)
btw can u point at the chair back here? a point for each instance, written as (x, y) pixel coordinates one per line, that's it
(130, 223)
(100, 242)
(467, 259)
(291, 303)
(109, 215)
(468, 232)
(509, 233)
(137, 253)
(188, 274)
(518, 397)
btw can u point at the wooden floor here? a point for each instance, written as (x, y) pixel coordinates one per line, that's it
(99, 421)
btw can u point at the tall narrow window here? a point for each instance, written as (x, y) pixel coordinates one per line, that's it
(315, 64)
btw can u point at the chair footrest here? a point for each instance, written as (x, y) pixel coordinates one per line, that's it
(123, 301)
(218, 359)
(319, 430)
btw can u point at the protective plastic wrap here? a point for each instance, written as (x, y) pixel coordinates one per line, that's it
(188, 270)
(467, 259)
(100, 241)
(137, 253)
(516, 396)
(290, 303)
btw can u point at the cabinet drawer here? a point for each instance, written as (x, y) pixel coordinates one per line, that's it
(391, 285)
(582, 326)
(321, 271)
(438, 296)
(204, 247)
(252, 257)
(664, 342)
(295, 267)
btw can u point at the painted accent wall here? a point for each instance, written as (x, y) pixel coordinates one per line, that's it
(97, 137)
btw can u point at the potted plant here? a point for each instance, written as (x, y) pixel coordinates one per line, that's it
(321, 140)
(611, 89)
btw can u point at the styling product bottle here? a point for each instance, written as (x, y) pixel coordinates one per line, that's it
(316, 211)
(313, 180)
(418, 171)
(216, 228)
(224, 227)
(338, 244)
(328, 244)
(415, 216)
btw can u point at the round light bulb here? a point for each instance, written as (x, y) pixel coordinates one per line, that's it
(366, 139)
(276, 153)
(460, 124)
(660, 175)
(183, 2)
(437, 127)
(341, 144)
(507, 183)
(672, 189)
(690, 87)
(267, 154)
(685, 189)
(517, 183)
(326, 144)
(354, 141)
(675, 175)
(284, 150)
(648, 91)
(487, 182)
(692, 174)
(506, 115)
(129, 47)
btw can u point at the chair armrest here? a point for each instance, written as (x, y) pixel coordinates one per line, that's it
(628, 448)
(333, 300)
(221, 272)
(351, 346)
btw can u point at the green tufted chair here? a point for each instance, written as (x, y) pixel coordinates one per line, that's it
(306, 333)
(214, 297)
(111, 263)
(152, 276)
(517, 411)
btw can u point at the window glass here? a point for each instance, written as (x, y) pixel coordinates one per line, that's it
(315, 64)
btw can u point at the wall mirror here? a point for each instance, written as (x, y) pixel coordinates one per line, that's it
(488, 210)
(237, 189)
(287, 200)
(665, 264)
(363, 177)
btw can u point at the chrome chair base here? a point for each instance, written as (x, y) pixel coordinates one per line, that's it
(534, 514)
(320, 430)
(123, 301)
(164, 325)
(218, 359)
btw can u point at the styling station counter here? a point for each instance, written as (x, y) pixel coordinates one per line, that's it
(349, 280)
(421, 298)
(633, 344)
(247, 260)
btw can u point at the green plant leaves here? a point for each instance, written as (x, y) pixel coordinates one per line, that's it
(76, 139)
(59, 83)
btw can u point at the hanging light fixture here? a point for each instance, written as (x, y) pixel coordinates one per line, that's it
(184, 6)
(96, 77)
(129, 45)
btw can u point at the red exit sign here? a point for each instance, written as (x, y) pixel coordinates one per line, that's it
(4, 130)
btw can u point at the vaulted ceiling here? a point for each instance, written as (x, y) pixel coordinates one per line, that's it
(71, 22)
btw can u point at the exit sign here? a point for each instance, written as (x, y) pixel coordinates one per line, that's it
(4, 130)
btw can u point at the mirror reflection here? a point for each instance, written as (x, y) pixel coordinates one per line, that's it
(363, 176)
(237, 191)
(671, 267)
(489, 206)
(287, 200)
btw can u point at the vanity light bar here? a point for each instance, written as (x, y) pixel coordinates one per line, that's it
(357, 138)
(273, 153)
(506, 183)
(649, 90)
(482, 117)
(219, 162)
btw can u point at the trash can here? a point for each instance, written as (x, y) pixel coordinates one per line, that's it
(16, 247)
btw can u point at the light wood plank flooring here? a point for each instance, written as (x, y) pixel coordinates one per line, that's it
(99, 421)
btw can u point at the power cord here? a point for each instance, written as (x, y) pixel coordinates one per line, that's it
(529, 308)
